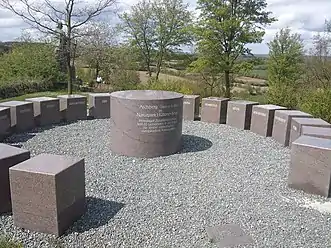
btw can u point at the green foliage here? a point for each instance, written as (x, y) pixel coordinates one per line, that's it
(318, 103)
(169, 85)
(285, 68)
(156, 28)
(30, 61)
(7, 243)
(17, 88)
(225, 28)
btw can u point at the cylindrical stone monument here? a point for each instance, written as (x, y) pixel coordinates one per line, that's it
(146, 123)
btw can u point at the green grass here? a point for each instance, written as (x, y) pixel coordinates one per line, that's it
(40, 94)
(7, 243)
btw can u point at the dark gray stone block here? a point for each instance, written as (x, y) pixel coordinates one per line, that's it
(46, 110)
(214, 110)
(298, 123)
(73, 107)
(228, 235)
(99, 105)
(310, 166)
(282, 124)
(263, 119)
(48, 193)
(5, 126)
(146, 123)
(21, 115)
(191, 107)
(9, 156)
(239, 114)
(319, 132)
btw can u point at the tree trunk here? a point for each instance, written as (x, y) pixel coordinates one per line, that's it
(227, 84)
(97, 69)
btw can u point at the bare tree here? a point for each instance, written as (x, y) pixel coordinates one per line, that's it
(49, 17)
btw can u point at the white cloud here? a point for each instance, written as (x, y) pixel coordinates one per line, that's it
(305, 17)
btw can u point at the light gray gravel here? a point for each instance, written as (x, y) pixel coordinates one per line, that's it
(168, 202)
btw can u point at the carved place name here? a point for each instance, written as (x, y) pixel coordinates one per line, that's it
(50, 106)
(187, 103)
(259, 113)
(3, 117)
(76, 103)
(211, 105)
(155, 115)
(156, 107)
(280, 119)
(294, 128)
(25, 111)
(235, 109)
(104, 101)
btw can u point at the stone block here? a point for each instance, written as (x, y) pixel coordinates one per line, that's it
(310, 166)
(73, 107)
(191, 107)
(9, 156)
(48, 193)
(21, 115)
(298, 123)
(319, 132)
(263, 119)
(99, 105)
(5, 125)
(146, 123)
(46, 110)
(239, 114)
(214, 110)
(282, 124)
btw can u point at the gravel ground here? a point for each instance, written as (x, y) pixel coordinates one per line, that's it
(223, 175)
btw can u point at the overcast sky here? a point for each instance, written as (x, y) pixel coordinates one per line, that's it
(302, 16)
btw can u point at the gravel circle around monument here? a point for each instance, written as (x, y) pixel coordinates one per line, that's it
(223, 175)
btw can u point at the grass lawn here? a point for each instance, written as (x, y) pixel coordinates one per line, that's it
(6, 243)
(40, 94)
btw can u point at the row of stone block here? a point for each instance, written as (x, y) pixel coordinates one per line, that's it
(24, 115)
(45, 193)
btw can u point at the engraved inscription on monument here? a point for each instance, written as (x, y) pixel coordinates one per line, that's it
(160, 118)
(259, 113)
(280, 119)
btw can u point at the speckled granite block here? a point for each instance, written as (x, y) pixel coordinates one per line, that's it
(239, 114)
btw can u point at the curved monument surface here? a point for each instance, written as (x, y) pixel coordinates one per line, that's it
(146, 123)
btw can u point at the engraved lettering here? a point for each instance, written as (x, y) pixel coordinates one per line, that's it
(25, 111)
(185, 102)
(294, 128)
(280, 119)
(50, 105)
(235, 109)
(259, 113)
(211, 105)
(76, 103)
(3, 117)
(104, 101)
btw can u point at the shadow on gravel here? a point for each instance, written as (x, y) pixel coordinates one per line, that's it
(192, 143)
(99, 213)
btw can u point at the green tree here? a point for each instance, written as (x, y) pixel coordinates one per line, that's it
(285, 68)
(30, 61)
(157, 28)
(225, 27)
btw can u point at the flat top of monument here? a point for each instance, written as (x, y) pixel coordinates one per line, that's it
(71, 96)
(9, 151)
(310, 121)
(146, 95)
(243, 102)
(313, 142)
(99, 94)
(292, 112)
(46, 164)
(3, 108)
(216, 98)
(14, 103)
(269, 106)
(324, 131)
(191, 96)
(41, 99)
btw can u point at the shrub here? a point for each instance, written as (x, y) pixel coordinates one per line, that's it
(7, 243)
(318, 103)
(8, 90)
(169, 85)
